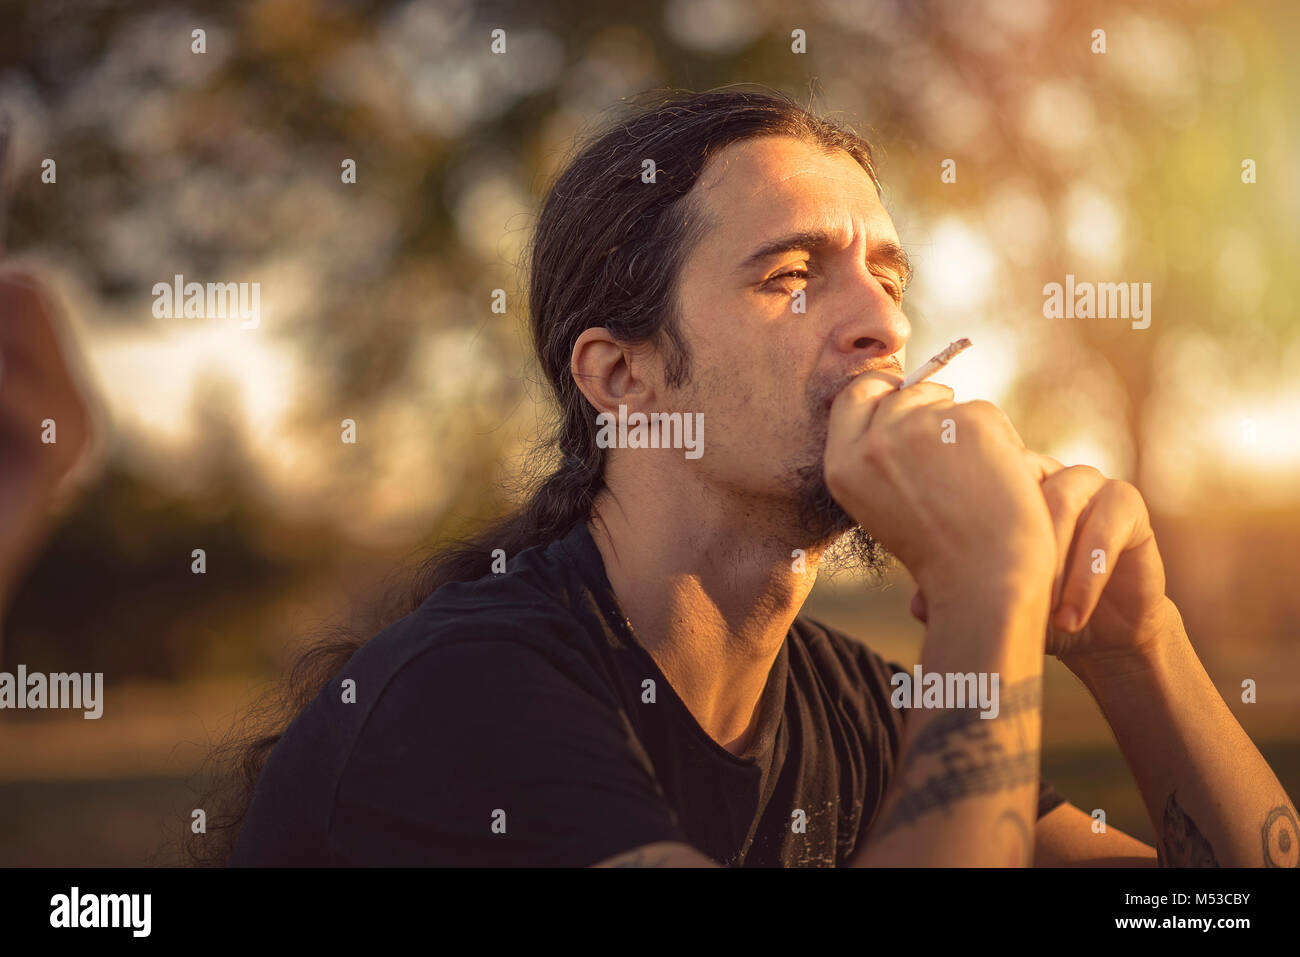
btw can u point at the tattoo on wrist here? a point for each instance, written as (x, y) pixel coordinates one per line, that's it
(973, 761)
(1182, 843)
(1281, 838)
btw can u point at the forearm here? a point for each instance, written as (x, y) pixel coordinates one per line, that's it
(1212, 798)
(965, 790)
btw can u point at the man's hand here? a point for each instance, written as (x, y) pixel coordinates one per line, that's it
(1108, 595)
(1113, 626)
(35, 385)
(941, 485)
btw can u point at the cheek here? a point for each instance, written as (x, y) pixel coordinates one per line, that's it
(747, 377)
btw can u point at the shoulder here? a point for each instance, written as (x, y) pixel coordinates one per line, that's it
(482, 728)
(517, 629)
(483, 663)
(508, 672)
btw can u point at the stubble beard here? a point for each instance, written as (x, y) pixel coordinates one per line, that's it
(847, 546)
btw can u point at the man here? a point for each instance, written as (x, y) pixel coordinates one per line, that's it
(629, 682)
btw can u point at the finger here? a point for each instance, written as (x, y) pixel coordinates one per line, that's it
(22, 310)
(853, 408)
(27, 399)
(29, 330)
(1067, 493)
(997, 412)
(20, 393)
(1114, 521)
(1041, 467)
(898, 403)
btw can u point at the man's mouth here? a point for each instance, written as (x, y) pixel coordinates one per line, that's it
(891, 365)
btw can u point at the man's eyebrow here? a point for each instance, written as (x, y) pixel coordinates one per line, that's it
(887, 253)
(893, 256)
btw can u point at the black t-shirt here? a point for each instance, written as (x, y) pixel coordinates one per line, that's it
(507, 721)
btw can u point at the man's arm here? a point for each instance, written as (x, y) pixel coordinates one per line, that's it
(1064, 838)
(1211, 796)
(966, 787)
(662, 854)
(968, 520)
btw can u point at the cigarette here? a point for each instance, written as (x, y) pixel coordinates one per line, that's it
(935, 364)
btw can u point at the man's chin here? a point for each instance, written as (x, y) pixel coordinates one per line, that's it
(845, 545)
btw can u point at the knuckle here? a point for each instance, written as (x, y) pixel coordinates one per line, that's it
(980, 415)
(911, 424)
(875, 445)
(1127, 491)
(934, 391)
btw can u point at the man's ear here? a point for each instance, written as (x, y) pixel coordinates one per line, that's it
(611, 374)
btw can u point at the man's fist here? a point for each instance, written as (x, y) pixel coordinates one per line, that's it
(1108, 594)
(940, 484)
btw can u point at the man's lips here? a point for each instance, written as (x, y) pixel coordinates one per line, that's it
(892, 366)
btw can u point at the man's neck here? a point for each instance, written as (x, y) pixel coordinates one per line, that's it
(710, 593)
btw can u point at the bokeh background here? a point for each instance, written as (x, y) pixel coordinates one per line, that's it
(376, 305)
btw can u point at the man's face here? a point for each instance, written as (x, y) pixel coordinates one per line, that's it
(763, 373)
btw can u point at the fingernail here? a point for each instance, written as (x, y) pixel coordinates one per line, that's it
(1068, 619)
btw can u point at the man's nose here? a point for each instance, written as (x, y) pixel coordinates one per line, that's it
(872, 321)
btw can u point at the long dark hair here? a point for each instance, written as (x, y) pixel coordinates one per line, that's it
(606, 251)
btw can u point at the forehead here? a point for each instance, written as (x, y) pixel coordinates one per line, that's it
(758, 188)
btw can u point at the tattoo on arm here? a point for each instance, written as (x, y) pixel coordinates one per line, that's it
(1183, 844)
(1012, 831)
(973, 760)
(1281, 838)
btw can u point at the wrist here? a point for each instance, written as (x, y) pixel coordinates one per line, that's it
(988, 586)
(1147, 655)
(990, 618)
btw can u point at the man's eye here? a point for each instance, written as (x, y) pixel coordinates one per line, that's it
(796, 273)
(894, 289)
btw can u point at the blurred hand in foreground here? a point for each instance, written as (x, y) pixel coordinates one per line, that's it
(45, 423)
